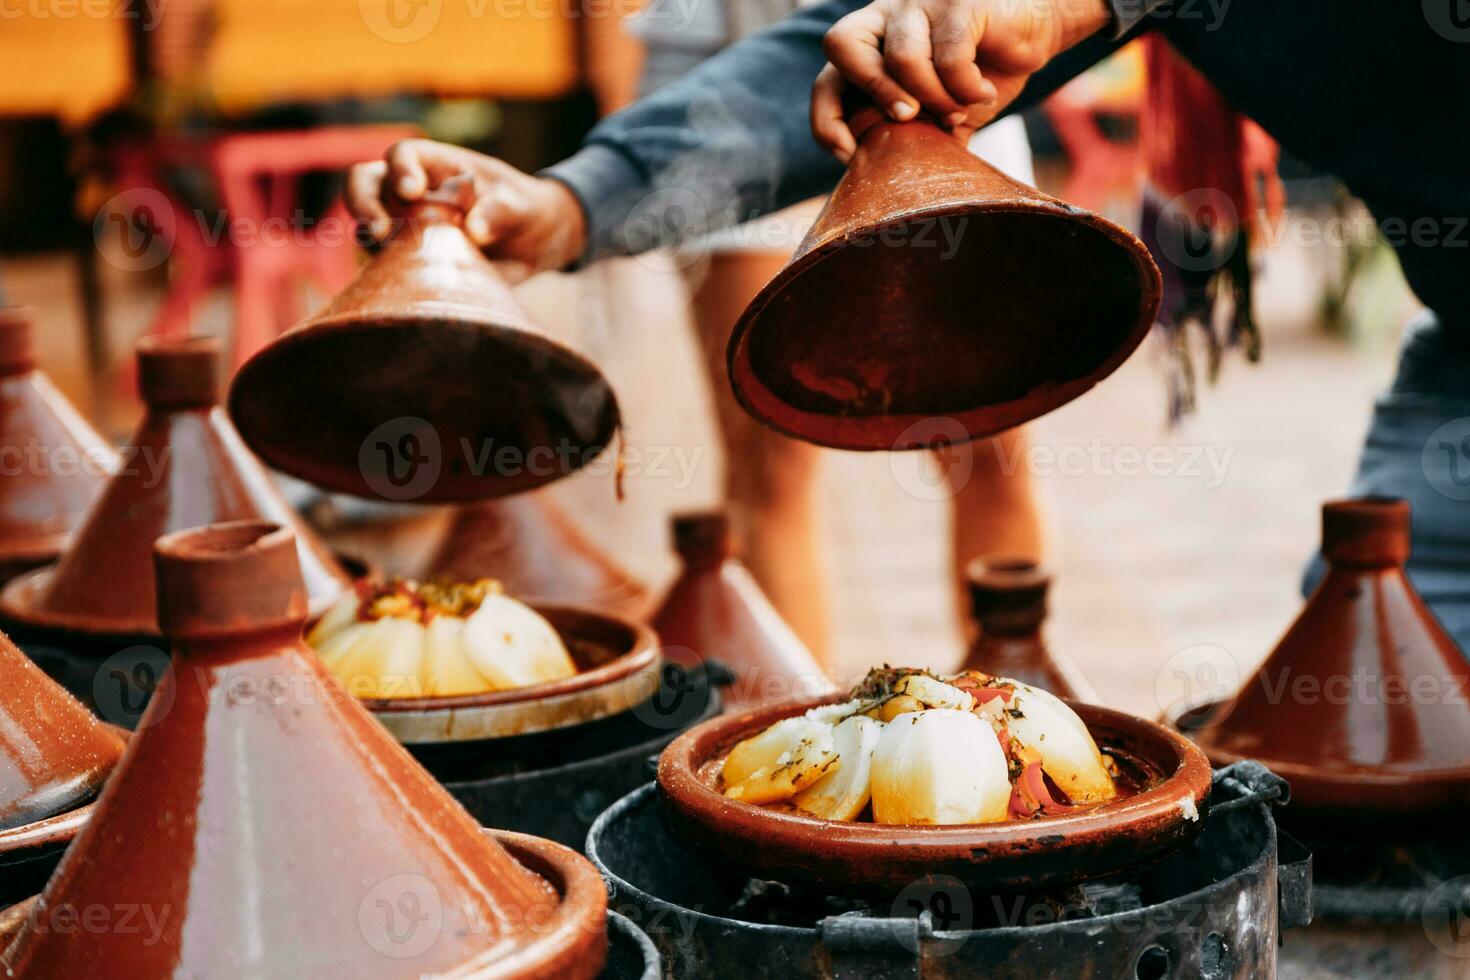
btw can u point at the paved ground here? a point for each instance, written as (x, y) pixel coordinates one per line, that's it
(1204, 552)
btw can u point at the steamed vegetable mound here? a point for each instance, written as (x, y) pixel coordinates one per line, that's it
(402, 639)
(912, 748)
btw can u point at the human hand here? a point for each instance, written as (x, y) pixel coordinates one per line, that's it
(531, 224)
(961, 60)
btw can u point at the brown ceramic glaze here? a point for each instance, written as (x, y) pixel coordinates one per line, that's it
(424, 379)
(54, 753)
(933, 285)
(54, 464)
(1362, 705)
(716, 610)
(537, 552)
(185, 466)
(1015, 855)
(618, 663)
(272, 828)
(1008, 603)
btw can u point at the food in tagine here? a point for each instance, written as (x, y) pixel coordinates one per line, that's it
(912, 748)
(404, 639)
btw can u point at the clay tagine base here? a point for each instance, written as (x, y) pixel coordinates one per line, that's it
(1019, 855)
(618, 666)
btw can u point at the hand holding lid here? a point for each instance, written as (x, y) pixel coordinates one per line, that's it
(424, 379)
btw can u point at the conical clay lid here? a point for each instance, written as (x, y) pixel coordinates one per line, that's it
(533, 547)
(424, 380)
(715, 610)
(1362, 703)
(184, 467)
(264, 824)
(56, 464)
(936, 300)
(54, 754)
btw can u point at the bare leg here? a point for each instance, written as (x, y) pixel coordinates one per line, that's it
(771, 481)
(996, 509)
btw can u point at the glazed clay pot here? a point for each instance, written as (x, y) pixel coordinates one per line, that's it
(536, 551)
(270, 827)
(54, 464)
(1008, 603)
(1017, 855)
(715, 610)
(54, 754)
(424, 379)
(1362, 705)
(618, 667)
(185, 466)
(936, 300)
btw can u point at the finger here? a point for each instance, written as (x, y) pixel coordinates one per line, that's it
(853, 46)
(496, 215)
(909, 59)
(954, 54)
(365, 197)
(829, 123)
(406, 175)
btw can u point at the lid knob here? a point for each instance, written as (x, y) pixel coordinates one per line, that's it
(1008, 593)
(17, 352)
(179, 373)
(1366, 531)
(702, 536)
(228, 578)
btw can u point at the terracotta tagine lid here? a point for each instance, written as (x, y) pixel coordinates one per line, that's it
(275, 829)
(185, 466)
(54, 753)
(53, 465)
(424, 379)
(535, 549)
(1362, 705)
(1008, 603)
(935, 299)
(715, 610)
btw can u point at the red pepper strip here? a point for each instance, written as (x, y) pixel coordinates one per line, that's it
(1018, 807)
(984, 695)
(1032, 785)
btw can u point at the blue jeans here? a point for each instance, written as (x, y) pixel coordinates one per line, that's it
(1418, 448)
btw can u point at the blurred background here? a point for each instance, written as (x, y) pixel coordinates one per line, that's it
(175, 167)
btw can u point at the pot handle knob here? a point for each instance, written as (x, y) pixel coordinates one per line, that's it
(863, 114)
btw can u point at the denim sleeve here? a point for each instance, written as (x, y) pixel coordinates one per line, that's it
(1418, 448)
(730, 141)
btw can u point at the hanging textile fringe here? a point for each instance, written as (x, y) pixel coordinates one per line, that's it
(1210, 182)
